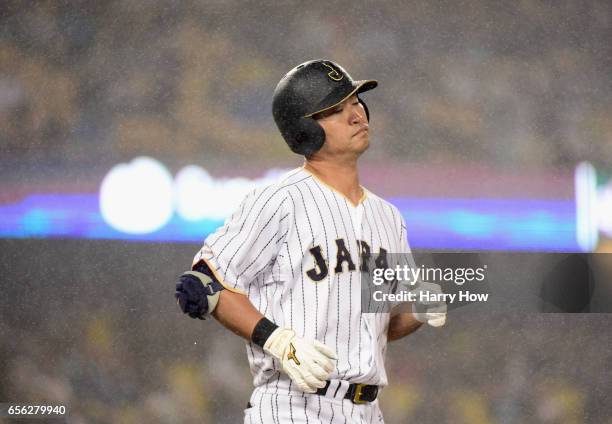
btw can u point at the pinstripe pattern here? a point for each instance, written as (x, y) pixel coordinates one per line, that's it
(282, 248)
(270, 407)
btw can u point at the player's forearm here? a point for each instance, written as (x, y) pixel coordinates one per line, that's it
(402, 325)
(236, 313)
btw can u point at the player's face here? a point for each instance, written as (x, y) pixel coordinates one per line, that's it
(346, 128)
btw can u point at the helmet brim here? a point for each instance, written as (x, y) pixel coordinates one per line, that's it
(358, 87)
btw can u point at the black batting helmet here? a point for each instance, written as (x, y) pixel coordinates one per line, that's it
(308, 89)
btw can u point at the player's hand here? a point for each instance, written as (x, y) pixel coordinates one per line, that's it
(196, 294)
(308, 363)
(432, 312)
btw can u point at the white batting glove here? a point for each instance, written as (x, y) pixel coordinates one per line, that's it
(432, 312)
(308, 363)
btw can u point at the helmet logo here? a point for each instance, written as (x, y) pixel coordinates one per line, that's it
(333, 74)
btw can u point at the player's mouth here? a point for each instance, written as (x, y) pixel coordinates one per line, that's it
(361, 130)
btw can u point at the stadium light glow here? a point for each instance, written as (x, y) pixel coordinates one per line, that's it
(136, 198)
(586, 206)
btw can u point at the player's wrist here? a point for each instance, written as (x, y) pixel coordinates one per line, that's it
(418, 315)
(262, 331)
(432, 315)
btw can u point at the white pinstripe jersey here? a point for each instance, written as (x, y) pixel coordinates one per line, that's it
(294, 249)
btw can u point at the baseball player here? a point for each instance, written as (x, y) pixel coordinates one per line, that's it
(284, 272)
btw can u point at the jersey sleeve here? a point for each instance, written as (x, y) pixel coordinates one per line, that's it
(249, 241)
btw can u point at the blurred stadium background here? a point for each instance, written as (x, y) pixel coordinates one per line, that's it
(491, 130)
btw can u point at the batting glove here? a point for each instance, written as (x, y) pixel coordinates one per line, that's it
(308, 363)
(427, 310)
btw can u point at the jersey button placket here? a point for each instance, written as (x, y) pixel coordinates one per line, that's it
(357, 218)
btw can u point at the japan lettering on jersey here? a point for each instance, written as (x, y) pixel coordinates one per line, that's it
(295, 248)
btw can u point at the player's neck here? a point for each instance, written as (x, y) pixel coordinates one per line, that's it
(341, 176)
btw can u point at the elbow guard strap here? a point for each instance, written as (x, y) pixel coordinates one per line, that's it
(197, 294)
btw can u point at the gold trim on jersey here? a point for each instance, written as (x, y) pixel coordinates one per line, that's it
(355, 90)
(219, 279)
(361, 199)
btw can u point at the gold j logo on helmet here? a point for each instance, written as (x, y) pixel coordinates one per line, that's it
(333, 74)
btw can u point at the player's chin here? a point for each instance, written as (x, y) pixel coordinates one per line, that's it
(362, 140)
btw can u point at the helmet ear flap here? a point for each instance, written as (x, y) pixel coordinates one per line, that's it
(306, 136)
(367, 111)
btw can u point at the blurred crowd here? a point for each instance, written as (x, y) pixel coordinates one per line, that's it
(504, 368)
(94, 326)
(520, 83)
(515, 369)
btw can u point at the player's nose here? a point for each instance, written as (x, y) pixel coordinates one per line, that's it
(358, 115)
